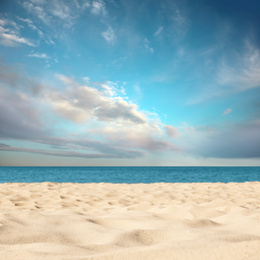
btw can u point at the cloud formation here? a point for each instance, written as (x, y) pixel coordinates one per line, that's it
(158, 31)
(79, 102)
(147, 46)
(109, 35)
(245, 74)
(227, 111)
(10, 34)
(98, 7)
(31, 25)
(171, 131)
(55, 12)
(116, 127)
(235, 140)
(39, 55)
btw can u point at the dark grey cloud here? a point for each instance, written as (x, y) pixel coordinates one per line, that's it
(238, 141)
(15, 78)
(4, 145)
(19, 117)
(130, 154)
(91, 145)
(171, 130)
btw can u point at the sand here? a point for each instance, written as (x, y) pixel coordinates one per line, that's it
(130, 221)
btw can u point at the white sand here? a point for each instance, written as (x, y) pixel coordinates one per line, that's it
(139, 221)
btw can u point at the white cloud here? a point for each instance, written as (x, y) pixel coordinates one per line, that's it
(116, 119)
(31, 25)
(86, 4)
(227, 111)
(10, 35)
(62, 11)
(86, 79)
(34, 8)
(98, 7)
(115, 127)
(12, 40)
(245, 73)
(89, 102)
(66, 80)
(52, 12)
(109, 35)
(39, 55)
(147, 46)
(2, 22)
(159, 31)
(147, 136)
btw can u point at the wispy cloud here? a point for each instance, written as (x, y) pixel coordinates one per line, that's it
(10, 34)
(120, 153)
(36, 9)
(39, 55)
(227, 111)
(158, 31)
(233, 73)
(98, 7)
(109, 35)
(147, 46)
(244, 75)
(51, 13)
(31, 25)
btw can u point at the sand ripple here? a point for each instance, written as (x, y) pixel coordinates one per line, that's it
(123, 221)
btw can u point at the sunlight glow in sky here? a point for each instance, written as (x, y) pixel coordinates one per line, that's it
(118, 82)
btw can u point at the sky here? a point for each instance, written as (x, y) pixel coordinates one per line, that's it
(129, 83)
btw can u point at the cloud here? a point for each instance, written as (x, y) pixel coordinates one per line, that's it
(233, 73)
(12, 39)
(31, 25)
(239, 140)
(98, 7)
(55, 12)
(34, 7)
(116, 128)
(19, 116)
(109, 35)
(158, 31)
(15, 79)
(120, 153)
(39, 55)
(147, 46)
(10, 35)
(244, 74)
(227, 111)
(171, 131)
(79, 102)
(147, 136)
(4, 145)
(64, 12)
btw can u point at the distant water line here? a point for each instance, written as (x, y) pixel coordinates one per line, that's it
(129, 174)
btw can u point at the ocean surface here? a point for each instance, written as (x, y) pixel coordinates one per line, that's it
(129, 174)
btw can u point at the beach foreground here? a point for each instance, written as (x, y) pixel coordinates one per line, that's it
(130, 221)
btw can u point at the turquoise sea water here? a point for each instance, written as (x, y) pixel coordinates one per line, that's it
(129, 174)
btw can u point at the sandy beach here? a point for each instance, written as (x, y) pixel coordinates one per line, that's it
(130, 221)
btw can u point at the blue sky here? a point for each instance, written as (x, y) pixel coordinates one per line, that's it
(95, 82)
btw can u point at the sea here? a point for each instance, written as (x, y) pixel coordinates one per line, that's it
(129, 174)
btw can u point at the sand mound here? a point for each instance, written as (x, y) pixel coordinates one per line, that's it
(122, 221)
